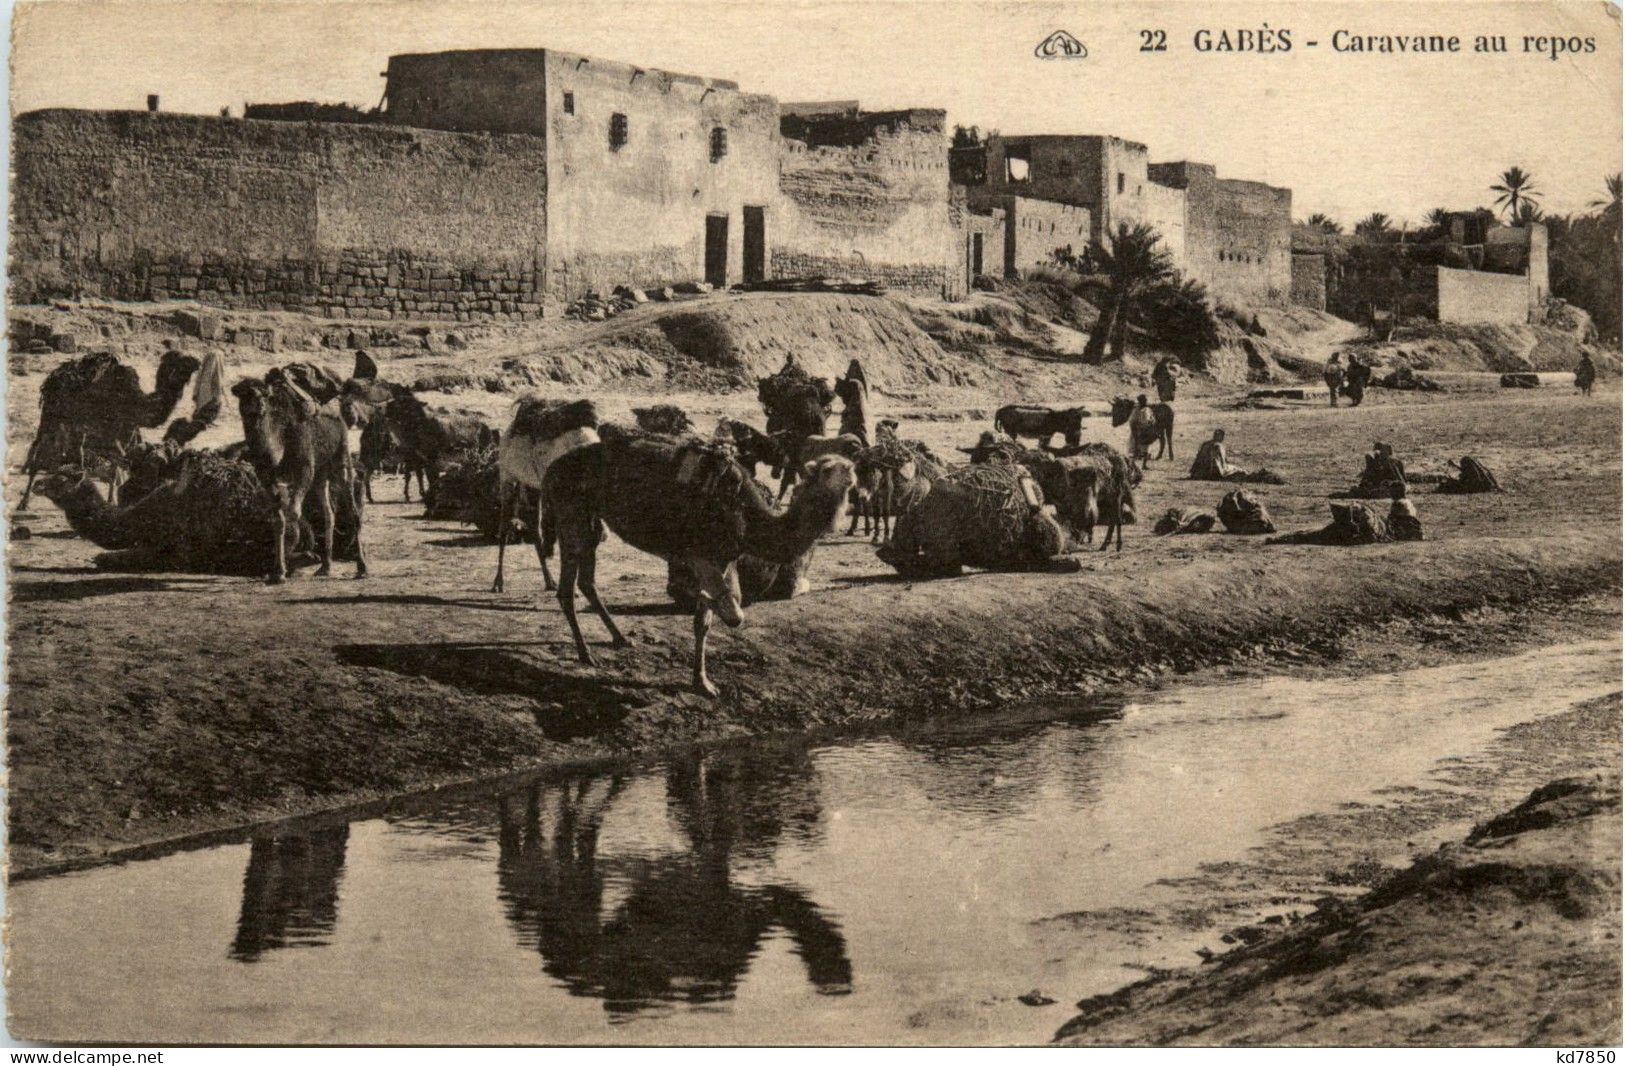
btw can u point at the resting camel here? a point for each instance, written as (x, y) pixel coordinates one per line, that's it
(1148, 424)
(298, 445)
(684, 502)
(1041, 423)
(93, 406)
(541, 431)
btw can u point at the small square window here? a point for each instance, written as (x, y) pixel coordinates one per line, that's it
(719, 143)
(569, 103)
(617, 131)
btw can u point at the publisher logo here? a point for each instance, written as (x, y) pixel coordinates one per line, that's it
(1061, 45)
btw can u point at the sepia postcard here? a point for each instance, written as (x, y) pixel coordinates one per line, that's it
(813, 524)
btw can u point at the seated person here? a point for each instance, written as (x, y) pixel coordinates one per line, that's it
(1403, 521)
(1212, 464)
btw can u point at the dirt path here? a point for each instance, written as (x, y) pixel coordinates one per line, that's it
(148, 705)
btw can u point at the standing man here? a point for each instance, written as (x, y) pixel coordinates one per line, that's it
(1165, 375)
(1334, 376)
(1585, 375)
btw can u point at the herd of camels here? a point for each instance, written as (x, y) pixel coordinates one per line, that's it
(663, 489)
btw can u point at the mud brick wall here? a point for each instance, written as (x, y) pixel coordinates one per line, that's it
(866, 196)
(339, 219)
(1309, 280)
(1478, 296)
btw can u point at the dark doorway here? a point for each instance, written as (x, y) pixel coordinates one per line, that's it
(716, 250)
(755, 243)
(975, 255)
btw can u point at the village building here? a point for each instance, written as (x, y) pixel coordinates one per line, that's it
(1470, 269)
(1232, 236)
(509, 183)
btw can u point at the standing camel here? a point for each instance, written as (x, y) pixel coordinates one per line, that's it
(93, 406)
(300, 449)
(542, 430)
(683, 502)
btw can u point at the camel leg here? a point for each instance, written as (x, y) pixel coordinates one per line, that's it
(702, 628)
(28, 490)
(545, 536)
(504, 516)
(587, 582)
(569, 566)
(325, 499)
(279, 564)
(353, 492)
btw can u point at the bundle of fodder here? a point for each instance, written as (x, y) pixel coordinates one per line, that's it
(990, 516)
(1243, 513)
(204, 512)
(470, 491)
(792, 383)
(664, 419)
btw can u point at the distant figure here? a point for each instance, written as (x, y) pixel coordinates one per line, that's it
(1403, 521)
(1166, 377)
(1355, 381)
(1334, 376)
(1585, 375)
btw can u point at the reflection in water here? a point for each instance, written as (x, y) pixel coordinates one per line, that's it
(997, 769)
(683, 930)
(290, 892)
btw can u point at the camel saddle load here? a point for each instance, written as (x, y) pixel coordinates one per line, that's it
(990, 516)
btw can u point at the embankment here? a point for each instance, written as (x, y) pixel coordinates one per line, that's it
(215, 727)
(1510, 937)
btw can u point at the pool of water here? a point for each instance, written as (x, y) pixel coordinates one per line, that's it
(879, 890)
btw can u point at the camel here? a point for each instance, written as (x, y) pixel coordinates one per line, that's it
(893, 476)
(1148, 424)
(686, 502)
(93, 407)
(198, 512)
(364, 400)
(752, 446)
(541, 431)
(427, 435)
(298, 445)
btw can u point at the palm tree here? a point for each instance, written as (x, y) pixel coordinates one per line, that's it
(1528, 213)
(1133, 264)
(1610, 208)
(1516, 189)
(1375, 222)
(1324, 223)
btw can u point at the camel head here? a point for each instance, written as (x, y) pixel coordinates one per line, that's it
(719, 586)
(175, 369)
(63, 483)
(826, 484)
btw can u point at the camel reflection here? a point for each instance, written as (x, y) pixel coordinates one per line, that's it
(682, 930)
(290, 892)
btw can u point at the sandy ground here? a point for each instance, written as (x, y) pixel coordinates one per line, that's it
(1509, 937)
(145, 706)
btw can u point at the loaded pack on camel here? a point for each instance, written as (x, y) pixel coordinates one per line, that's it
(682, 501)
(797, 407)
(193, 512)
(989, 516)
(542, 430)
(93, 408)
(1088, 484)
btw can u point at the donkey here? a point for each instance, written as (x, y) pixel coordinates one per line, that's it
(1148, 424)
(1041, 423)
